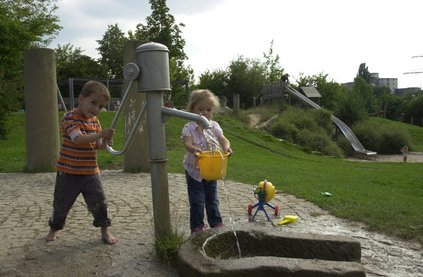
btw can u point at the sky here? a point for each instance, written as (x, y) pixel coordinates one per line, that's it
(310, 37)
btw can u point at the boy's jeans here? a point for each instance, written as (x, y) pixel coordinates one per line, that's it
(203, 194)
(66, 191)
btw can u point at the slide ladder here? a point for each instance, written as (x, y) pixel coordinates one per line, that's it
(349, 135)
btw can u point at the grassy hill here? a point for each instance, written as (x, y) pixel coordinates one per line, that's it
(386, 196)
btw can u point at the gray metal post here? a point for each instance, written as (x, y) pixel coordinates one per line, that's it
(153, 61)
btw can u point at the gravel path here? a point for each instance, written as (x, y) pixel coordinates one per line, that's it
(25, 205)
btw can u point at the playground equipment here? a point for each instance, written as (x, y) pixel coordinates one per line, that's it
(264, 192)
(152, 74)
(346, 131)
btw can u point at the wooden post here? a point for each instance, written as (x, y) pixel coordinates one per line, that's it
(236, 103)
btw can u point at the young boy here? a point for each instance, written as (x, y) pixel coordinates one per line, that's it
(77, 168)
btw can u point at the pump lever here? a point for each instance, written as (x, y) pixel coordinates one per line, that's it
(130, 72)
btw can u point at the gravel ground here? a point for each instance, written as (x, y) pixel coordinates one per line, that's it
(25, 206)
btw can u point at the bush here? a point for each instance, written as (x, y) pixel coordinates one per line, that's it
(10, 96)
(323, 119)
(285, 130)
(318, 142)
(381, 138)
(310, 129)
(345, 145)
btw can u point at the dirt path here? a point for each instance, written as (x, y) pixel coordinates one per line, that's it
(413, 157)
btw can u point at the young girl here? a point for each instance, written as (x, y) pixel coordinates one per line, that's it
(404, 151)
(202, 193)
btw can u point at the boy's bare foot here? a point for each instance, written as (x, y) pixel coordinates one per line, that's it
(107, 236)
(52, 235)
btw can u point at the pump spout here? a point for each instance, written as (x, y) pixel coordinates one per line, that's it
(187, 115)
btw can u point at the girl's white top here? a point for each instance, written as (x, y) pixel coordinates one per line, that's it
(191, 129)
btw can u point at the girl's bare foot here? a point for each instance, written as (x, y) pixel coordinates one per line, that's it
(52, 235)
(107, 236)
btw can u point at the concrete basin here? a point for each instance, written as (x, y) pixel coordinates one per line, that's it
(264, 253)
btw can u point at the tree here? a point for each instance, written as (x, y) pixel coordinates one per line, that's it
(111, 51)
(383, 100)
(356, 103)
(364, 92)
(273, 71)
(24, 24)
(70, 62)
(364, 73)
(160, 27)
(216, 81)
(416, 108)
(329, 90)
(349, 108)
(246, 77)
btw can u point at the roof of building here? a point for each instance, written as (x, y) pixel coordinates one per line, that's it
(311, 92)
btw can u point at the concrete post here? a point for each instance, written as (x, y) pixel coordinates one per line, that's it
(41, 110)
(136, 159)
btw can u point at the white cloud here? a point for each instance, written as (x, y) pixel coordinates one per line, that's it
(310, 36)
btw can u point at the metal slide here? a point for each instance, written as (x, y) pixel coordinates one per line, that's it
(355, 143)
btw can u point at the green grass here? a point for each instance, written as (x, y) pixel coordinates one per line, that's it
(386, 196)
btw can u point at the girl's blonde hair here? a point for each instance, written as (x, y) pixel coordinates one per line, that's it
(200, 95)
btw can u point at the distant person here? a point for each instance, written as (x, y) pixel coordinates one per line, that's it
(117, 105)
(202, 193)
(285, 78)
(404, 151)
(77, 168)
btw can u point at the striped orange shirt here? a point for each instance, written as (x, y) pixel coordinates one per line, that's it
(82, 158)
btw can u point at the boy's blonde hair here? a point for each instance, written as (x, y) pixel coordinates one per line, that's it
(200, 95)
(94, 86)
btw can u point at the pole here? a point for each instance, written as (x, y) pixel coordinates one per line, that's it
(154, 80)
(41, 110)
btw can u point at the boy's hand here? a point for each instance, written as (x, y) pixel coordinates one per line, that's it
(108, 133)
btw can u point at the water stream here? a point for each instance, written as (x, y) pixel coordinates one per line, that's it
(213, 146)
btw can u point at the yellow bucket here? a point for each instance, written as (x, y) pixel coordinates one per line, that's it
(212, 164)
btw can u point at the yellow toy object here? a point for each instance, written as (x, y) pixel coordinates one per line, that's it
(269, 189)
(264, 192)
(288, 219)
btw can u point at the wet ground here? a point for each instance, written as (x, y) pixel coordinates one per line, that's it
(25, 206)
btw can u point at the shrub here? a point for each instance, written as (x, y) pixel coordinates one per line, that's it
(323, 119)
(285, 130)
(318, 142)
(345, 145)
(310, 129)
(381, 138)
